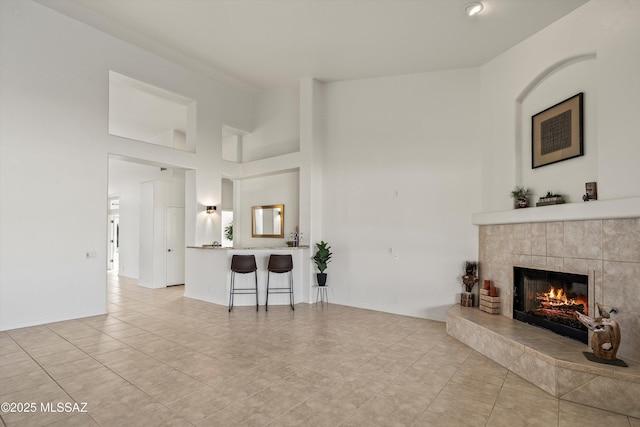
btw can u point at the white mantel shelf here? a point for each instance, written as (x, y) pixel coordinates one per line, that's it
(595, 209)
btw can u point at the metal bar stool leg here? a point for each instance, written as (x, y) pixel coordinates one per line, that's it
(233, 275)
(243, 264)
(266, 304)
(256, 276)
(291, 299)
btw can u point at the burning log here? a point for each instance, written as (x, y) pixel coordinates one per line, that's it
(606, 337)
(559, 300)
(553, 313)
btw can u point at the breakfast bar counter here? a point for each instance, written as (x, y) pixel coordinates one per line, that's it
(208, 274)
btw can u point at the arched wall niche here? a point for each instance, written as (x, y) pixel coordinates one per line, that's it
(554, 84)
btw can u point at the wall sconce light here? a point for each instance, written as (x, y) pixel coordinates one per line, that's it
(211, 209)
(474, 8)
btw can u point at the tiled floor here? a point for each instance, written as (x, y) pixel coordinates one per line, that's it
(159, 359)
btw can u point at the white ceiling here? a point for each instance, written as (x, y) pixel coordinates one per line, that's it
(269, 43)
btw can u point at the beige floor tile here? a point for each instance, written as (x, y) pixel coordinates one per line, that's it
(349, 393)
(144, 378)
(99, 394)
(77, 334)
(123, 409)
(175, 388)
(8, 346)
(73, 368)
(161, 359)
(197, 406)
(41, 393)
(528, 409)
(88, 379)
(14, 357)
(518, 384)
(387, 409)
(34, 419)
(25, 381)
(238, 415)
(18, 368)
(104, 347)
(53, 347)
(572, 413)
(61, 358)
(313, 412)
(447, 402)
(462, 418)
(512, 418)
(75, 420)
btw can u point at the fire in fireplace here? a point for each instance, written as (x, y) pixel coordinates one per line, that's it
(550, 299)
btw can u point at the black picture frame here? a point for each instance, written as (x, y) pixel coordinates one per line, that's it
(557, 132)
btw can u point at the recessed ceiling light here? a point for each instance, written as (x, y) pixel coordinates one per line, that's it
(473, 8)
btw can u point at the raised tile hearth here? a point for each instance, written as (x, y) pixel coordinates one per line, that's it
(551, 362)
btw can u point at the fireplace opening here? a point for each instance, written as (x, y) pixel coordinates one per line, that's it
(550, 299)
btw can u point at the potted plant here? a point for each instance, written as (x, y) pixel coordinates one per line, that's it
(228, 231)
(519, 195)
(322, 258)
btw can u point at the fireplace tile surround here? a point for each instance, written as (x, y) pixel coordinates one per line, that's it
(608, 252)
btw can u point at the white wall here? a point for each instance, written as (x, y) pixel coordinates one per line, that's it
(400, 181)
(54, 150)
(276, 125)
(560, 85)
(594, 50)
(282, 188)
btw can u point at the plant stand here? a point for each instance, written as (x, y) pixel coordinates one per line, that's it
(322, 295)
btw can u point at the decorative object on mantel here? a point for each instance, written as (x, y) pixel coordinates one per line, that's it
(592, 191)
(489, 300)
(519, 195)
(487, 284)
(556, 133)
(469, 280)
(296, 236)
(606, 336)
(322, 258)
(550, 199)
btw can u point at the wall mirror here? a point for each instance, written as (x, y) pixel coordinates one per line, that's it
(267, 221)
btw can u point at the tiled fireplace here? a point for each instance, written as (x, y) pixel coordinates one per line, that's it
(607, 253)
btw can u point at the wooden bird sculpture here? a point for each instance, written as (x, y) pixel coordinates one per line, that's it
(606, 333)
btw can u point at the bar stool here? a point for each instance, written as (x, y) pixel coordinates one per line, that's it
(280, 264)
(243, 264)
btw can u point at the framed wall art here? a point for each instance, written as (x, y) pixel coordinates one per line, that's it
(556, 133)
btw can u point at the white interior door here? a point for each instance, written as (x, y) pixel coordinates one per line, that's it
(114, 246)
(175, 246)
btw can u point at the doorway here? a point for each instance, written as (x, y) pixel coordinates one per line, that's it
(139, 222)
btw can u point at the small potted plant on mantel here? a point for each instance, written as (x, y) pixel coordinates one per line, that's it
(520, 196)
(322, 258)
